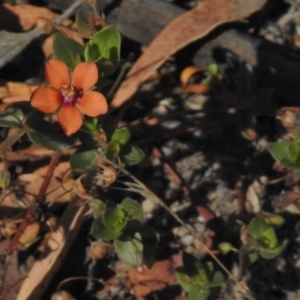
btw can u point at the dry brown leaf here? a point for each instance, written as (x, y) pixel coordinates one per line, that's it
(185, 29)
(29, 16)
(160, 276)
(11, 92)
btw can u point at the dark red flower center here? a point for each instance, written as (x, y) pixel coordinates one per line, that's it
(70, 94)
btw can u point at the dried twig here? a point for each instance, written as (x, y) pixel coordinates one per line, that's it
(31, 212)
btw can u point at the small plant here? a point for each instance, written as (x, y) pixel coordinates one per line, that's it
(133, 241)
(262, 240)
(198, 278)
(287, 153)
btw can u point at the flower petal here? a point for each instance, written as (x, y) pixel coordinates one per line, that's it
(92, 104)
(85, 75)
(46, 99)
(69, 118)
(57, 73)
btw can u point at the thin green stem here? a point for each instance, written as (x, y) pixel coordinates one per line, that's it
(117, 82)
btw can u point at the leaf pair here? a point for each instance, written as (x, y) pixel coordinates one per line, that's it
(103, 48)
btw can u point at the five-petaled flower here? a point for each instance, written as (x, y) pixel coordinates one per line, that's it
(70, 94)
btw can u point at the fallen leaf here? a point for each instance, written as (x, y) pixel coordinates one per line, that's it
(28, 16)
(185, 29)
(11, 92)
(160, 276)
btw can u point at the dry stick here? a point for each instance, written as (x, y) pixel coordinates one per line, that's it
(30, 212)
(139, 187)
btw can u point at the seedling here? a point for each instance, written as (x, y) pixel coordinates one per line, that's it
(198, 278)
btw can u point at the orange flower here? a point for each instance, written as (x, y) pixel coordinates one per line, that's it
(69, 95)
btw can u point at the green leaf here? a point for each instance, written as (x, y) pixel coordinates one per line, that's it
(293, 153)
(114, 218)
(91, 124)
(213, 69)
(12, 117)
(135, 156)
(272, 219)
(67, 50)
(44, 135)
(183, 279)
(278, 150)
(270, 253)
(105, 43)
(83, 160)
(101, 232)
(270, 238)
(196, 292)
(133, 209)
(105, 67)
(217, 280)
(225, 247)
(257, 227)
(91, 53)
(130, 250)
(121, 136)
(297, 138)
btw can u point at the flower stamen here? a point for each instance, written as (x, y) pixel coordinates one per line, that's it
(70, 94)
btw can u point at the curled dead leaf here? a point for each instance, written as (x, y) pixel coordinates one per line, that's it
(189, 72)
